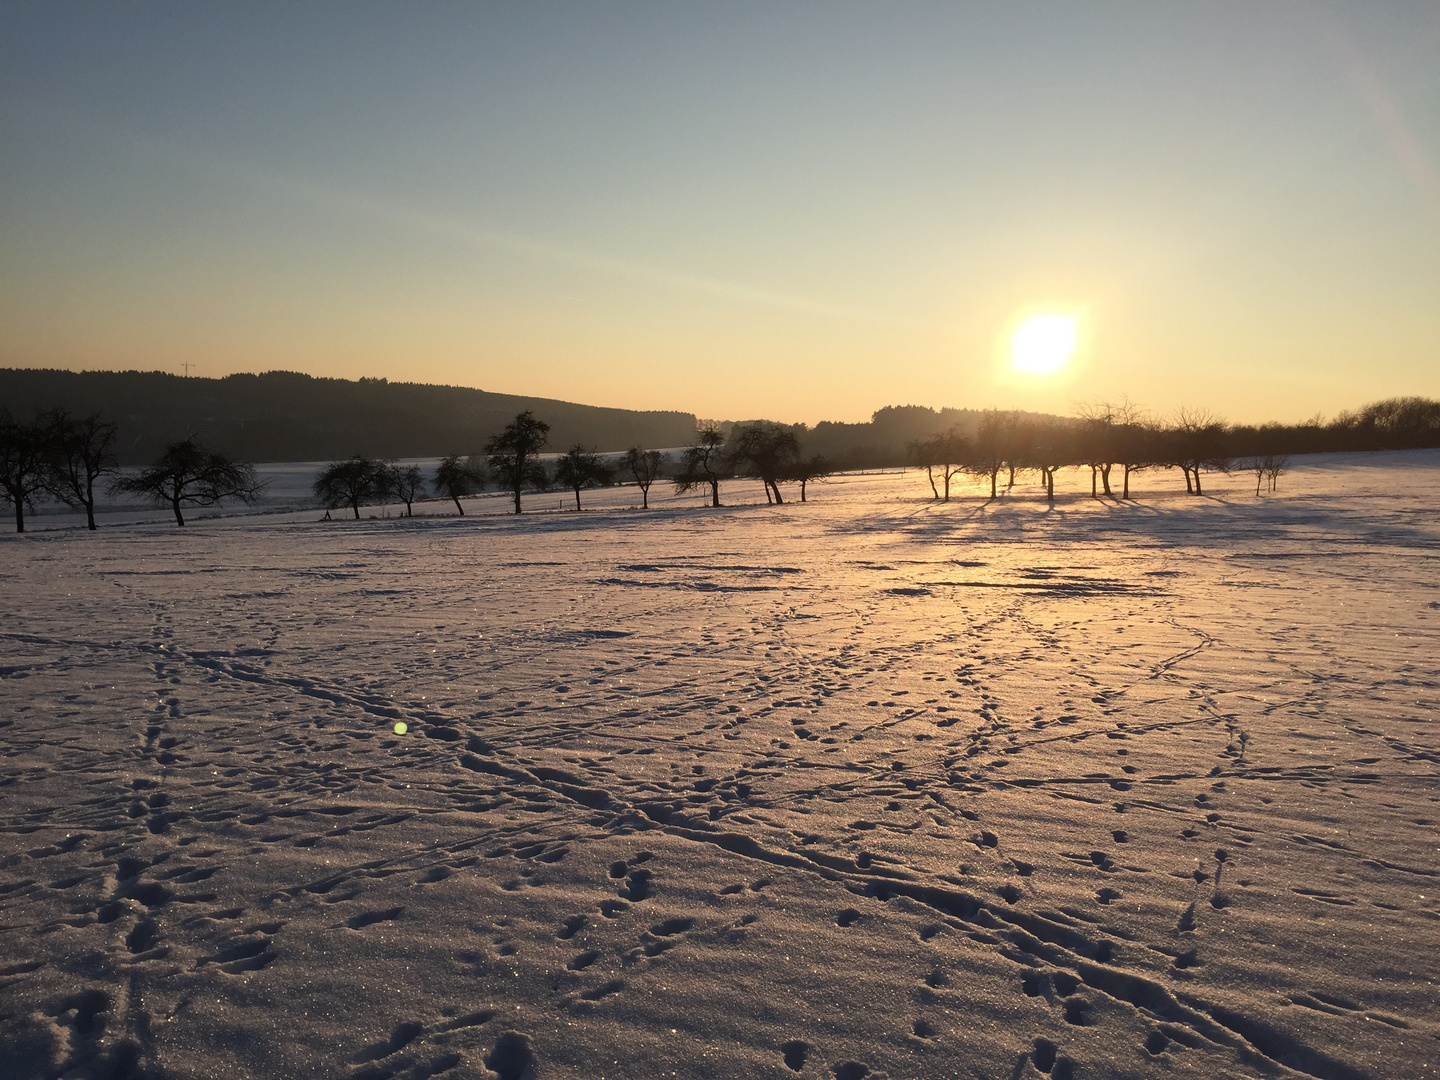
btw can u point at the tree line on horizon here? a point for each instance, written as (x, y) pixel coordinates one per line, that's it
(1105, 438)
(68, 459)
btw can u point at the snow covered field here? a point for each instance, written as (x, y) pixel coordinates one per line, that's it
(865, 787)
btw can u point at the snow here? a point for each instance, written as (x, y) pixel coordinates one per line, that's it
(866, 786)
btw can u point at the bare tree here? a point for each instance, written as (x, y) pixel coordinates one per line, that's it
(989, 449)
(455, 477)
(953, 451)
(189, 473)
(22, 464)
(1015, 446)
(645, 466)
(1276, 465)
(815, 469)
(1097, 443)
(765, 451)
(702, 464)
(1257, 466)
(1132, 442)
(947, 452)
(512, 454)
(78, 452)
(579, 468)
(405, 484)
(1197, 443)
(1268, 468)
(1396, 423)
(353, 482)
(1051, 447)
(925, 454)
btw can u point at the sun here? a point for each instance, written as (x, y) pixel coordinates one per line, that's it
(1043, 344)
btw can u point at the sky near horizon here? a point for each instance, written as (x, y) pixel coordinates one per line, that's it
(800, 211)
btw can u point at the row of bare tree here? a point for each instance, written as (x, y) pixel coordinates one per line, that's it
(1114, 441)
(511, 461)
(70, 459)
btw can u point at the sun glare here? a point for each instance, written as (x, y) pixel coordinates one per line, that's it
(1042, 344)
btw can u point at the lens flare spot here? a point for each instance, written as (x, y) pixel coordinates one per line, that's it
(1043, 344)
(401, 727)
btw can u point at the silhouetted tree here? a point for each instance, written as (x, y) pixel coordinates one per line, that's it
(815, 469)
(512, 454)
(579, 468)
(1269, 467)
(951, 451)
(987, 452)
(1276, 465)
(22, 464)
(455, 477)
(1049, 448)
(702, 464)
(405, 484)
(1015, 446)
(764, 451)
(1097, 443)
(1132, 443)
(924, 454)
(353, 482)
(189, 473)
(645, 466)
(1395, 424)
(1197, 443)
(77, 453)
(1257, 466)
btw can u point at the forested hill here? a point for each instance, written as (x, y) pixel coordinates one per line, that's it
(284, 416)
(884, 441)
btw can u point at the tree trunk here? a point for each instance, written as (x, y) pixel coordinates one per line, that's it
(577, 498)
(947, 483)
(355, 505)
(1049, 484)
(645, 498)
(19, 515)
(1257, 485)
(408, 512)
(517, 498)
(1197, 481)
(994, 473)
(778, 500)
(802, 490)
(1093, 471)
(90, 503)
(1126, 493)
(179, 517)
(1105, 480)
(714, 492)
(1189, 490)
(1011, 484)
(930, 475)
(457, 505)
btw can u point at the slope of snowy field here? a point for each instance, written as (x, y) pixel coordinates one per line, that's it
(869, 786)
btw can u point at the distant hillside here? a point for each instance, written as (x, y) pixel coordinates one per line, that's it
(284, 416)
(884, 439)
(883, 442)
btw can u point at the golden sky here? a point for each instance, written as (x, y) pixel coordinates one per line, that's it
(794, 211)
